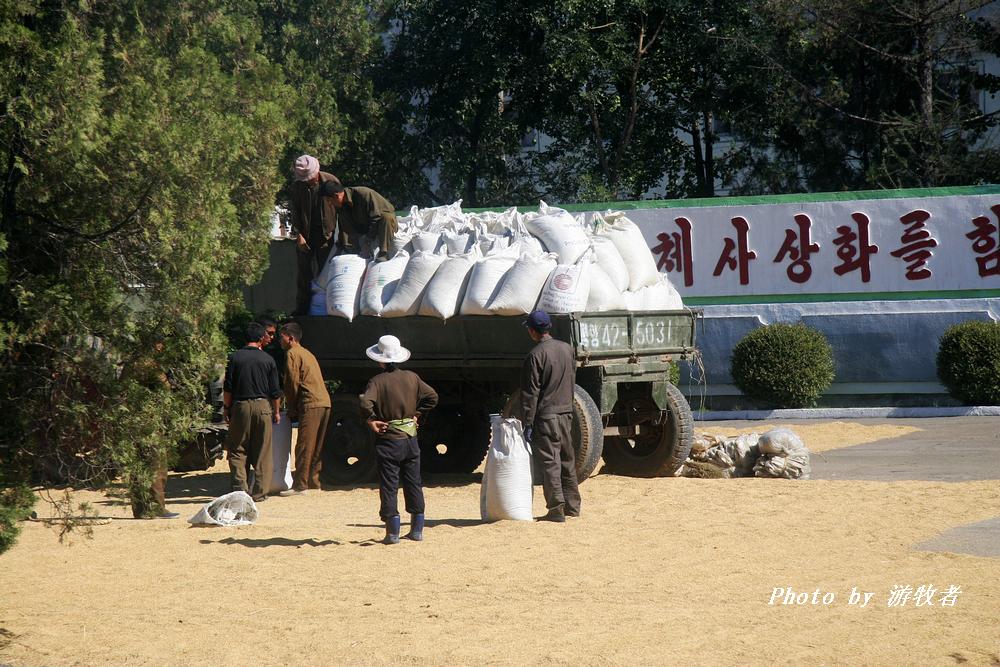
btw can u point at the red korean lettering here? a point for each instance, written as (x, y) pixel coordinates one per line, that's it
(743, 253)
(917, 244)
(674, 251)
(854, 249)
(799, 247)
(986, 243)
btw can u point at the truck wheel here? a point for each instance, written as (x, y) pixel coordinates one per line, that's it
(349, 448)
(649, 445)
(453, 440)
(588, 429)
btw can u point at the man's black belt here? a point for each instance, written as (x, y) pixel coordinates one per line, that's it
(244, 400)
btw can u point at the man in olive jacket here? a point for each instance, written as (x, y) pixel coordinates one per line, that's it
(366, 217)
(314, 219)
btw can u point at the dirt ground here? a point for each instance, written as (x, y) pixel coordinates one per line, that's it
(655, 572)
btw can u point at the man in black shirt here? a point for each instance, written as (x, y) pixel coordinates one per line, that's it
(547, 380)
(250, 404)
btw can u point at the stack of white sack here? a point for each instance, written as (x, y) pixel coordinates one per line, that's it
(783, 454)
(445, 262)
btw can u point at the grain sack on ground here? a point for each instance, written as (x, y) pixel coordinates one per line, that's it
(783, 454)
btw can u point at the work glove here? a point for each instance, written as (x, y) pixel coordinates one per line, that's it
(528, 432)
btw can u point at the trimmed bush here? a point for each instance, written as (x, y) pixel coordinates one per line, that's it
(968, 362)
(783, 365)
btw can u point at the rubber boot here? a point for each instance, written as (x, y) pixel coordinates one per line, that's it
(416, 528)
(391, 531)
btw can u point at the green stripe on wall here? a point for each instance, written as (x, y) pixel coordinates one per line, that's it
(856, 195)
(735, 299)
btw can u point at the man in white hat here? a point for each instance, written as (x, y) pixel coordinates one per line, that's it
(314, 219)
(392, 404)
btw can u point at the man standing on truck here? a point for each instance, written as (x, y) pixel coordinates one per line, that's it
(392, 404)
(367, 218)
(307, 402)
(314, 219)
(547, 379)
(250, 396)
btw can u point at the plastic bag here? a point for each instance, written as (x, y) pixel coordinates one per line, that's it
(506, 491)
(233, 509)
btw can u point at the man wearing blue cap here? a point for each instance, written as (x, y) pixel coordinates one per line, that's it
(547, 380)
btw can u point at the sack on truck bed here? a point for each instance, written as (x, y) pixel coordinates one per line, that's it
(444, 292)
(342, 290)
(522, 284)
(567, 289)
(603, 295)
(485, 281)
(380, 283)
(412, 284)
(630, 242)
(559, 232)
(606, 256)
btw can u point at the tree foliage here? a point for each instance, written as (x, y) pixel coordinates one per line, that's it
(140, 143)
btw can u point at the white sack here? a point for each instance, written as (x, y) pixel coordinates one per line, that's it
(781, 442)
(317, 301)
(603, 295)
(610, 260)
(380, 283)
(444, 292)
(522, 284)
(400, 241)
(344, 286)
(485, 282)
(559, 232)
(630, 242)
(409, 292)
(506, 491)
(490, 244)
(457, 243)
(567, 289)
(659, 296)
(233, 509)
(425, 242)
(281, 455)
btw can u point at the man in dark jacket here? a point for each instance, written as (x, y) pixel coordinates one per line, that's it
(314, 218)
(250, 400)
(547, 379)
(367, 218)
(392, 404)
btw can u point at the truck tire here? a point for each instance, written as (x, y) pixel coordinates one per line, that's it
(349, 448)
(453, 439)
(588, 429)
(646, 448)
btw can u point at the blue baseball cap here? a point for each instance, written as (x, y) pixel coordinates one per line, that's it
(538, 320)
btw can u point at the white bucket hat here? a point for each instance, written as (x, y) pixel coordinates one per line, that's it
(388, 350)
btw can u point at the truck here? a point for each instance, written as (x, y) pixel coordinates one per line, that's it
(625, 409)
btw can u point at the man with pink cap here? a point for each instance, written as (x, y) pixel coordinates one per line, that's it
(314, 218)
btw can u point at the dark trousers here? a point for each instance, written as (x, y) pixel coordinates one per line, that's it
(399, 459)
(552, 443)
(249, 446)
(309, 448)
(309, 262)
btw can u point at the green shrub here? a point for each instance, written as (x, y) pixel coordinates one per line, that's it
(968, 362)
(783, 365)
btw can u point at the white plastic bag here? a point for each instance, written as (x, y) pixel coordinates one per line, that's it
(445, 290)
(522, 284)
(506, 492)
(232, 509)
(344, 286)
(412, 284)
(567, 289)
(380, 283)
